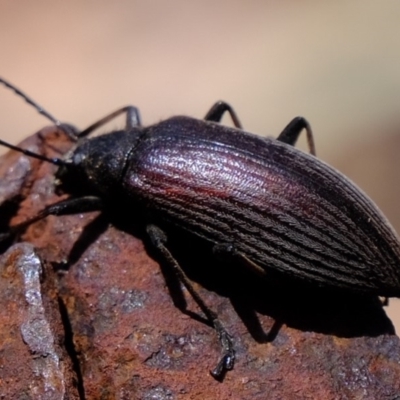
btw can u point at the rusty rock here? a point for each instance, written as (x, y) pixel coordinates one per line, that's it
(34, 362)
(134, 333)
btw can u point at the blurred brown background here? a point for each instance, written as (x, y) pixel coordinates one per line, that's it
(336, 63)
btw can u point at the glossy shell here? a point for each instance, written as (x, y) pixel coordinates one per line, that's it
(281, 208)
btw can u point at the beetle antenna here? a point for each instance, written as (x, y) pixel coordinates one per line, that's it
(31, 102)
(40, 110)
(55, 161)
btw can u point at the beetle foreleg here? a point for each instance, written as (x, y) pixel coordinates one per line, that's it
(217, 111)
(158, 239)
(64, 207)
(292, 132)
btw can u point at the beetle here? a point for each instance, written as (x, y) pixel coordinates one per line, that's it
(258, 200)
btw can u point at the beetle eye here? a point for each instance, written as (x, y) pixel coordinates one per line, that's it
(78, 158)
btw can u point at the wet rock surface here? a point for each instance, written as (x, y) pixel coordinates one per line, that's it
(87, 312)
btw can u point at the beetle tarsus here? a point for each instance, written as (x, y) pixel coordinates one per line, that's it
(227, 360)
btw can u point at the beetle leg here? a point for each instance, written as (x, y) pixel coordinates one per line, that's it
(158, 239)
(217, 111)
(64, 207)
(229, 250)
(132, 120)
(292, 132)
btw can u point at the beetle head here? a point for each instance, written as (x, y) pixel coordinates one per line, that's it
(96, 165)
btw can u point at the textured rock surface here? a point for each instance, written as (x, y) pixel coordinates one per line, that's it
(125, 338)
(34, 361)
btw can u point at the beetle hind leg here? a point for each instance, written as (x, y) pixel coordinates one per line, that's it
(158, 239)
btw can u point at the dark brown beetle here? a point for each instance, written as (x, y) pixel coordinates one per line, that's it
(256, 199)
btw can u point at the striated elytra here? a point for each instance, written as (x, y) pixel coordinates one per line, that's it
(259, 200)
